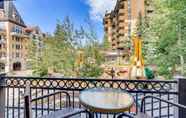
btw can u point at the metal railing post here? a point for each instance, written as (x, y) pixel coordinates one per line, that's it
(27, 103)
(2, 95)
(181, 95)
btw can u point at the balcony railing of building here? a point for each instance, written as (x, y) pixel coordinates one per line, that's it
(19, 32)
(12, 90)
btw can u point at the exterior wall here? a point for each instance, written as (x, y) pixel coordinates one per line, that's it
(137, 7)
(3, 45)
(14, 48)
(8, 63)
(121, 22)
(13, 41)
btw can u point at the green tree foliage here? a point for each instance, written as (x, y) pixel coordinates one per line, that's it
(59, 53)
(106, 44)
(93, 55)
(165, 37)
(90, 70)
(35, 58)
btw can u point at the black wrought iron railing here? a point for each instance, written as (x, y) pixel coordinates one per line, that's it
(14, 88)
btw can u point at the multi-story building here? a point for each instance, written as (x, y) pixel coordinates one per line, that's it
(13, 40)
(120, 24)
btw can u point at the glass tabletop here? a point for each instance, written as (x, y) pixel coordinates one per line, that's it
(106, 100)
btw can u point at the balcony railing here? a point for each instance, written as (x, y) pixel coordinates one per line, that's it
(14, 88)
(19, 34)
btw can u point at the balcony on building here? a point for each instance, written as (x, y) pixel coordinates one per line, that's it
(19, 32)
(121, 11)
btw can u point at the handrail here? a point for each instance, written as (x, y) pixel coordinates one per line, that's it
(161, 100)
(139, 88)
(88, 79)
(53, 94)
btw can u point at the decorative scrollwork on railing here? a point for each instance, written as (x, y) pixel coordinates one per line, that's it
(79, 84)
(44, 86)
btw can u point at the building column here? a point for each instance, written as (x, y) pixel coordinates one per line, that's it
(8, 45)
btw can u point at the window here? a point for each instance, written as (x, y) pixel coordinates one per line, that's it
(2, 54)
(3, 45)
(113, 25)
(17, 29)
(12, 55)
(149, 11)
(122, 6)
(106, 22)
(106, 29)
(17, 55)
(18, 46)
(121, 14)
(17, 39)
(34, 36)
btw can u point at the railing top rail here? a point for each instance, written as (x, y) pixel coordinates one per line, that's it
(88, 79)
(78, 84)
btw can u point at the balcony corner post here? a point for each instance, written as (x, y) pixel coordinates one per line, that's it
(181, 95)
(2, 95)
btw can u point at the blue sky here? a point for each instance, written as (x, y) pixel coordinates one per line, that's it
(45, 13)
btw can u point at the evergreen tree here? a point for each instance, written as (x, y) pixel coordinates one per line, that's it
(59, 53)
(166, 33)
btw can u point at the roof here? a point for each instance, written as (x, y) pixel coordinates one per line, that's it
(11, 13)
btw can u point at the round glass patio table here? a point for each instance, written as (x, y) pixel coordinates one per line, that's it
(106, 100)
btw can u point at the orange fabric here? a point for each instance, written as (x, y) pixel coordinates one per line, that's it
(133, 108)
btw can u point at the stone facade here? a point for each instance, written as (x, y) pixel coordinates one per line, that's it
(13, 39)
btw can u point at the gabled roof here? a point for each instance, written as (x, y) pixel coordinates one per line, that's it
(11, 13)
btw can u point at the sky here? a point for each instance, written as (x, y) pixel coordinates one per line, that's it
(45, 13)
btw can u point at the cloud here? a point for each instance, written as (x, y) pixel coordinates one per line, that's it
(98, 8)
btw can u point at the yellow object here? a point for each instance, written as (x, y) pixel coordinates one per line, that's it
(80, 58)
(137, 64)
(79, 62)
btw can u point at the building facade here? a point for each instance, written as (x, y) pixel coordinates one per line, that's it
(120, 24)
(13, 39)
